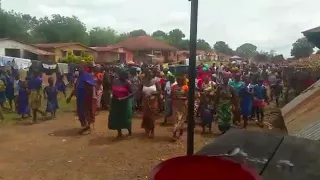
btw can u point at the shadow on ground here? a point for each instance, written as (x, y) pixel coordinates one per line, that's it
(66, 132)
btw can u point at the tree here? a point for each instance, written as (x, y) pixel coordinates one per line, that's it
(302, 48)
(61, 29)
(222, 47)
(175, 37)
(159, 34)
(247, 50)
(102, 36)
(16, 25)
(184, 44)
(139, 32)
(203, 45)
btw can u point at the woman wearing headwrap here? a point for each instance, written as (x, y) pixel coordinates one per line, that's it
(179, 93)
(99, 87)
(151, 90)
(120, 116)
(225, 100)
(135, 81)
(85, 89)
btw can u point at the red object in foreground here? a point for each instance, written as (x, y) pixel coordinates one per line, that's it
(202, 168)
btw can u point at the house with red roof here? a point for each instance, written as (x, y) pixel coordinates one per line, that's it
(138, 49)
(110, 54)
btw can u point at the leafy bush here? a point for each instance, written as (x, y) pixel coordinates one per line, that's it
(71, 58)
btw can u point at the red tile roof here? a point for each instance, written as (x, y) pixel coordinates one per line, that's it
(59, 45)
(29, 48)
(145, 43)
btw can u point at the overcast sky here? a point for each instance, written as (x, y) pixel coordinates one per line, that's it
(269, 24)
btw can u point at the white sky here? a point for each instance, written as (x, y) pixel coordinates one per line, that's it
(269, 24)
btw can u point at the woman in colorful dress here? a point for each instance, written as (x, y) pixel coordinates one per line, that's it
(50, 93)
(207, 103)
(120, 116)
(35, 86)
(225, 100)
(99, 88)
(237, 85)
(86, 100)
(179, 93)
(150, 94)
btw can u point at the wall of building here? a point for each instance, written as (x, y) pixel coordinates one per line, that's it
(24, 53)
(9, 44)
(105, 56)
(59, 51)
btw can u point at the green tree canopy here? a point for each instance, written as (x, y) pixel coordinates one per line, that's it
(175, 37)
(159, 34)
(222, 47)
(203, 45)
(138, 32)
(61, 29)
(247, 50)
(99, 36)
(302, 48)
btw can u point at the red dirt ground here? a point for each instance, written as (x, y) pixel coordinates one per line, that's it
(52, 150)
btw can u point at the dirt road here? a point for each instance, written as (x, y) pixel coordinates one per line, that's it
(52, 150)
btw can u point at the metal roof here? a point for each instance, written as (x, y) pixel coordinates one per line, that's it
(311, 132)
(303, 112)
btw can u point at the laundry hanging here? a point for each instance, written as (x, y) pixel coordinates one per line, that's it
(20, 63)
(49, 68)
(6, 61)
(63, 68)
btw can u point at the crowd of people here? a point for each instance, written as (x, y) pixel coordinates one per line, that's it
(225, 93)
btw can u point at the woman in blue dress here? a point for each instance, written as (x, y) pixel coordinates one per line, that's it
(50, 93)
(9, 89)
(61, 86)
(246, 101)
(23, 101)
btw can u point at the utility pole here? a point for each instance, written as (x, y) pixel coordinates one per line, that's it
(192, 74)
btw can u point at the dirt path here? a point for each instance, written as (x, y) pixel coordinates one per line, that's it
(52, 150)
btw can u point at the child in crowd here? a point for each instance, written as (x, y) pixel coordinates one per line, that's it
(23, 101)
(50, 93)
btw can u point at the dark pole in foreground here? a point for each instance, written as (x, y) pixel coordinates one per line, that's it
(192, 74)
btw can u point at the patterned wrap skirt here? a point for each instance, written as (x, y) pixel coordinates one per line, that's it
(150, 110)
(179, 114)
(35, 99)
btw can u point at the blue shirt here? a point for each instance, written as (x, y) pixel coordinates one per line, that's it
(35, 84)
(259, 92)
